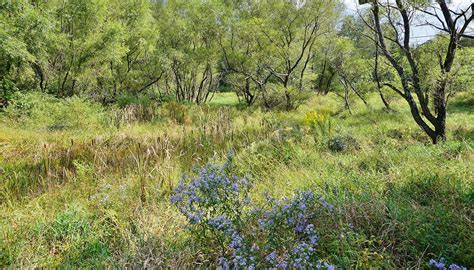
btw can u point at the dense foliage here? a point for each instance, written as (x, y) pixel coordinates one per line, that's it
(273, 53)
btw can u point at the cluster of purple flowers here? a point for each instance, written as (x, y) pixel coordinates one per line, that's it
(291, 239)
(279, 235)
(211, 192)
(283, 237)
(441, 265)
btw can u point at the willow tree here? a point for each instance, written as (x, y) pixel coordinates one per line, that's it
(289, 30)
(245, 52)
(139, 67)
(24, 33)
(396, 44)
(189, 32)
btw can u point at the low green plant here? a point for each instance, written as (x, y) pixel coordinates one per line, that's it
(341, 143)
(320, 122)
(42, 111)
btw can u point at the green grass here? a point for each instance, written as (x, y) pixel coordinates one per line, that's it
(225, 98)
(99, 197)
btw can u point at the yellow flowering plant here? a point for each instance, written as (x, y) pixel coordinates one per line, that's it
(319, 121)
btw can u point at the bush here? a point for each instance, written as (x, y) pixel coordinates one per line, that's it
(212, 192)
(41, 111)
(7, 87)
(275, 98)
(319, 122)
(342, 143)
(131, 100)
(281, 234)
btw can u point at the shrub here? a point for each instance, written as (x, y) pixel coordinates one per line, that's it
(129, 100)
(341, 143)
(7, 88)
(281, 234)
(41, 111)
(319, 122)
(275, 97)
(213, 192)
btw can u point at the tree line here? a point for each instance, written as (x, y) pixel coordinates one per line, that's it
(272, 53)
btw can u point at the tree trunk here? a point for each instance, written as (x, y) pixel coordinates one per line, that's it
(346, 96)
(249, 97)
(377, 78)
(321, 78)
(441, 112)
(40, 74)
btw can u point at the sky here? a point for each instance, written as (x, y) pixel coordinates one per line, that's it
(420, 33)
(352, 4)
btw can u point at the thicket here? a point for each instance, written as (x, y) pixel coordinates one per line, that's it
(270, 53)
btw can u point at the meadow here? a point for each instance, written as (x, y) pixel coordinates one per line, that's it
(87, 186)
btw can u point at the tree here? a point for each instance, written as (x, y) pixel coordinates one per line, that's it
(323, 67)
(23, 34)
(189, 29)
(245, 53)
(352, 69)
(403, 59)
(142, 65)
(290, 29)
(355, 29)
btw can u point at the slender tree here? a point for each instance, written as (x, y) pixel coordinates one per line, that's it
(432, 119)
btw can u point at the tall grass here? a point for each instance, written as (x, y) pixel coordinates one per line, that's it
(94, 190)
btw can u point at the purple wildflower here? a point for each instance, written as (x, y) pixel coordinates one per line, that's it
(441, 265)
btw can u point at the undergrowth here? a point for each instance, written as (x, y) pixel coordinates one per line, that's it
(86, 186)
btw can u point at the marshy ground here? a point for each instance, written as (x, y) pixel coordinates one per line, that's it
(90, 188)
